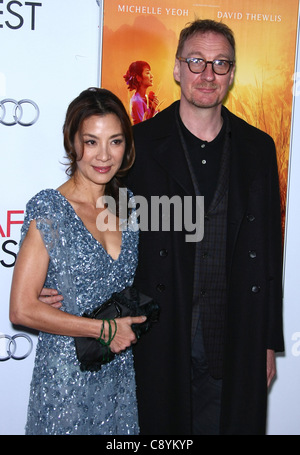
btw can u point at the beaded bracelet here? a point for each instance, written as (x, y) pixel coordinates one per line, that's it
(110, 336)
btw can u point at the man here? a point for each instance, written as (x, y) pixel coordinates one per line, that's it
(205, 367)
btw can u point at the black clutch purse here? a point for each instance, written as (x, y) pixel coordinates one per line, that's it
(129, 302)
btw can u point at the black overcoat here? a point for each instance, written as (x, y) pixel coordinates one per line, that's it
(166, 271)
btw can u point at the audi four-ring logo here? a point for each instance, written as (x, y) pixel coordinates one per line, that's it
(24, 112)
(16, 347)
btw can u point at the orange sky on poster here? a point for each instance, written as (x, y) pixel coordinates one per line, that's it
(148, 30)
(265, 33)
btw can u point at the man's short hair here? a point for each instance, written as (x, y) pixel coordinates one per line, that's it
(203, 26)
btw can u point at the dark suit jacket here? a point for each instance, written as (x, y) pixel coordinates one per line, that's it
(166, 271)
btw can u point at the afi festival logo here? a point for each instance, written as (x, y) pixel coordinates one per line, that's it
(9, 246)
(296, 345)
(15, 14)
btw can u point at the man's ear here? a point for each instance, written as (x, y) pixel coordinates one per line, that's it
(176, 71)
(232, 75)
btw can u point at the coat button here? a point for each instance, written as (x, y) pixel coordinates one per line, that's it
(163, 253)
(255, 289)
(160, 287)
(252, 254)
(250, 217)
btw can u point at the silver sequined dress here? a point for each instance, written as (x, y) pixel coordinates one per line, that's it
(64, 400)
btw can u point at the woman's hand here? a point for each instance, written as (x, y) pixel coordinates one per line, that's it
(153, 104)
(124, 336)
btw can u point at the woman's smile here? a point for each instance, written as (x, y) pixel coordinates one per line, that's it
(102, 169)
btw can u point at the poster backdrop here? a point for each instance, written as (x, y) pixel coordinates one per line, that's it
(266, 94)
(265, 35)
(48, 55)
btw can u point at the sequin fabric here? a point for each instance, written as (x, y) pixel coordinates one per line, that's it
(63, 399)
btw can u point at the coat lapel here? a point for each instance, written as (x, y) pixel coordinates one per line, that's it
(238, 188)
(170, 154)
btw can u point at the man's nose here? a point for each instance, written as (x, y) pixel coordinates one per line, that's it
(208, 73)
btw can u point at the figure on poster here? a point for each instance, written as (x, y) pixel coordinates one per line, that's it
(139, 79)
(205, 368)
(62, 247)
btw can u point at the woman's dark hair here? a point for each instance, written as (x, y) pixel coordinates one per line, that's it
(134, 70)
(101, 102)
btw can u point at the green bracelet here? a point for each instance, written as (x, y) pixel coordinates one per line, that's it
(110, 336)
(115, 330)
(102, 330)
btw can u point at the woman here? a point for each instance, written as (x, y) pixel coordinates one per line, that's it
(62, 247)
(139, 78)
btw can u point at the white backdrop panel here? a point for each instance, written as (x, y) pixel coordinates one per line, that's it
(49, 53)
(284, 403)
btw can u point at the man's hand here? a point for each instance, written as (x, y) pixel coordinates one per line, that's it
(51, 297)
(271, 366)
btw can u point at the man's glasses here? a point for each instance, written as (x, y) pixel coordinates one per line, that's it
(198, 65)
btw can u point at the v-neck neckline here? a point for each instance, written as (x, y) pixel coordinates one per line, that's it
(89, 232)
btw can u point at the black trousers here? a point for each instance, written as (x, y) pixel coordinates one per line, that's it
(206, 392)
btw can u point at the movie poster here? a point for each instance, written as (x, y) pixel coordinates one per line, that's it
(265, 32)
